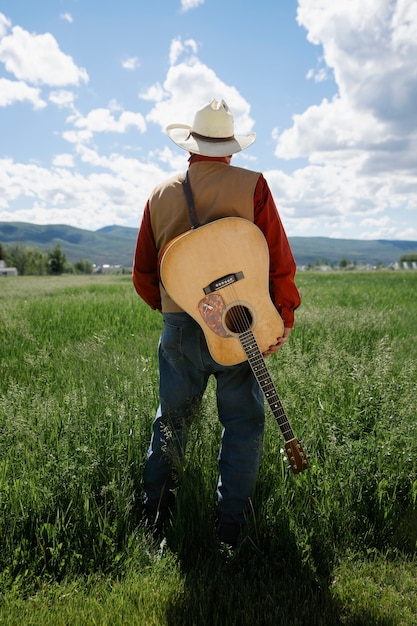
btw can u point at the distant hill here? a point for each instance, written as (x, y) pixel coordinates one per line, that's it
(115, 245)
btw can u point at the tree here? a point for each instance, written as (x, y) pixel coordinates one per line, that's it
(27, 261)
(56, 260)
(36, 262)
(84, 266)
(15, 257)
(408, 258)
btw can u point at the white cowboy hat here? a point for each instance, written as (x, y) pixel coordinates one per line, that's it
(212, 132)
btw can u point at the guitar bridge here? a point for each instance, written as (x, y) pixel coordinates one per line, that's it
(222, 282)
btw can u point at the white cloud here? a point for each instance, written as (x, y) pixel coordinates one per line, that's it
(64, 195)
(176, 160)
(190, 85)
(331, 131)
(62, 98)
(5, 24)
(37, 59)
(67, 17)
(63, 160)
(371, 47)
(179, 47)
(12, 91)
(103, 121)
(131, 63)
(319, 76)
(375, 222)
(155, 93)
(379, 229)
(368, 129)
(77, 136)
(331, 198)
(186, 5)
(175, 50)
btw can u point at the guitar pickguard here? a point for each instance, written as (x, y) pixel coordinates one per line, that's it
(211, 309)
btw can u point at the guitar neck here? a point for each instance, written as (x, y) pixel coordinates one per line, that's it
(257, 363)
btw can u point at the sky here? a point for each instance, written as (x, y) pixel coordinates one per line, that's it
(87, 89)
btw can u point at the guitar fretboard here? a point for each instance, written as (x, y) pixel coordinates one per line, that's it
(257, 363)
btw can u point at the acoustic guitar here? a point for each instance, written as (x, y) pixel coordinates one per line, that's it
(219, 274)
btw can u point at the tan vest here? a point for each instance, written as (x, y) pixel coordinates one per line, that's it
(219, 190)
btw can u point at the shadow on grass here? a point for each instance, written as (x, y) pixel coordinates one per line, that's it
(267, 582)
(264, 583)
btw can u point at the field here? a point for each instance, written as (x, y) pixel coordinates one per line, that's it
(78, 391)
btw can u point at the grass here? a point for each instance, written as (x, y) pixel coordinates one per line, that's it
(78, 391)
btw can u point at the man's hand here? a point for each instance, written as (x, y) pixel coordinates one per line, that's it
(280, 342)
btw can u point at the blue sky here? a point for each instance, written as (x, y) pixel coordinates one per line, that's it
(87, 89)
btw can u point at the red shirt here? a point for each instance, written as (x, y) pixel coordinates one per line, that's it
(283, 290)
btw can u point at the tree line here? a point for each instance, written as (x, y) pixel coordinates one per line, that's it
(31, 261)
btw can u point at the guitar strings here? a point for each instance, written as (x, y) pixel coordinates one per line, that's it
(239, 314)
(242, 319)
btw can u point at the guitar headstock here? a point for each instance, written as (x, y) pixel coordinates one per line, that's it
(296, 456)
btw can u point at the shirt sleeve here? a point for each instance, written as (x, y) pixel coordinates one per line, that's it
(145, 264)
(283, 290)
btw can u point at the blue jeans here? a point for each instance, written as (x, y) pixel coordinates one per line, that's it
(185, 366)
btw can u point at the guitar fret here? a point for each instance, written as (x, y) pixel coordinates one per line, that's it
(257, 363)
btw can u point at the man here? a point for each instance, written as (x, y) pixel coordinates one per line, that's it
(185, 364)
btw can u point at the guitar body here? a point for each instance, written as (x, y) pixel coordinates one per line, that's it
(219, 274)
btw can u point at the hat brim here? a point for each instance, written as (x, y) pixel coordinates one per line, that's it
(181, 135)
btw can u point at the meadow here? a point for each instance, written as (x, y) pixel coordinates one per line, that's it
(333, 545)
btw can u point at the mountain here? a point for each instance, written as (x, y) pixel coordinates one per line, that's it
(115, 245)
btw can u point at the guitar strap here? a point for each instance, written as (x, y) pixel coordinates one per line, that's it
(190, 202)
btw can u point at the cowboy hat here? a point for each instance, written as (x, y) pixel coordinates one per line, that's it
(212, 132)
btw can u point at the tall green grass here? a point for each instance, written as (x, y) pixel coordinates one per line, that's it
(78, 391)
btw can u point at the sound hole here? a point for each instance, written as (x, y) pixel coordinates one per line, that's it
(238, 319)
